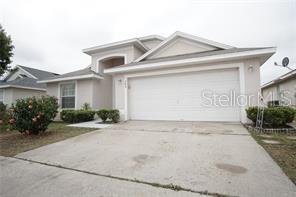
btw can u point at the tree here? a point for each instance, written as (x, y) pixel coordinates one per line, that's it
(6, 53)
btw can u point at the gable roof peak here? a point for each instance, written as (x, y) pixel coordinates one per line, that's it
(186, 36)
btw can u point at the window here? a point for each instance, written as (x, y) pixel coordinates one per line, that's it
(2, 95)
(68, 95)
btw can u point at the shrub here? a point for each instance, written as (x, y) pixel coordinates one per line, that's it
(33, 115)
(114, 115)
(3, 117)
(103, 114)
(252, 113)
(75, 116)
(273, 116)
(289, 112)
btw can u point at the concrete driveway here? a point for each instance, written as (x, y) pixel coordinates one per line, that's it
(149, 158)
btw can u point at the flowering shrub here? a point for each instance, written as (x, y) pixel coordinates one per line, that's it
(33, 115)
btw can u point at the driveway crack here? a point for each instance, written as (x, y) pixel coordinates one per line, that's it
(164, 186)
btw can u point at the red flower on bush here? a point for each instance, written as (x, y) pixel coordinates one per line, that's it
(40, 114)
(11, 121)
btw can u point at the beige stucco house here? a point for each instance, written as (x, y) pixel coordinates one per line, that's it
(282, 89)
(181, 77)
(21, 82)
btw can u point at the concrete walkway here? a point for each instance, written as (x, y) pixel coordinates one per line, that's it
(152, 158)
(91, 124)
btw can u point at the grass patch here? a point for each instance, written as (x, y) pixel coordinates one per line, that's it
(284, 153)
(13, 142)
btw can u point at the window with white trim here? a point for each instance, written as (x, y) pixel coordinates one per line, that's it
(1, 95)
(68, 95)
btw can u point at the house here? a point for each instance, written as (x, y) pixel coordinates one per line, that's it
(281, 90)
(21, 82)
(181, 77)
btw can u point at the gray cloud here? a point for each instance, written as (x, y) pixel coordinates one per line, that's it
(51, 34)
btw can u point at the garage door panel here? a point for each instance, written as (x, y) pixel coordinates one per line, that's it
(178, 96)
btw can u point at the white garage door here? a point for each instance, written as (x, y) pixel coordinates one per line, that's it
(179, 96)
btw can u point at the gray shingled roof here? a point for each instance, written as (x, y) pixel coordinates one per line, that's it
(85, 71)
(39, 74)
(24, 82)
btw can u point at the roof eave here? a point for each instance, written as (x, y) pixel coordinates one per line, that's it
(71, 78)
(278, 80)
(21, 87)
(134, 41)
(268, 52)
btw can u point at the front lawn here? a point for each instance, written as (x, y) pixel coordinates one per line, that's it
(13, 142)
(283, 153)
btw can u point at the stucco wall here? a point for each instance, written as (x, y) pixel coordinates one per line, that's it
(285, 88)
(270, 93)
(252, 80)
(118, 93)
(181, 46)
(137, 52)
(8, 96)
(52, 89)
(12, 94)
(102, 93)
(84, 93)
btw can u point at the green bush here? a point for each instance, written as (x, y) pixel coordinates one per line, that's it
(273, 116)
(114, 115)
(103, 114)
(252, 113)
(76, 116)
(289, 112)
(3, 117)
(33, 115)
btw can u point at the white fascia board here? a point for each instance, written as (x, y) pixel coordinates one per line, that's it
(116, 44)
(71, 78)
(197, 60)
(183, 35)
(279, 79)
(26, 72)
(267, 84)
(21, 87)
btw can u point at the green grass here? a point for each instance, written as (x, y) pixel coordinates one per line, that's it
(284, 153)
(13, 142)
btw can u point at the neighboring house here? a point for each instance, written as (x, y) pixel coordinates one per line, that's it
(156, 78)
(21, 82)
(282, 89)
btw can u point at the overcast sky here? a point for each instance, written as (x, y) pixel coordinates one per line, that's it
(50, 34)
